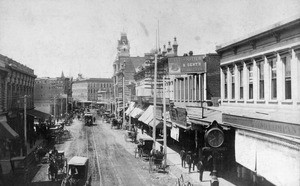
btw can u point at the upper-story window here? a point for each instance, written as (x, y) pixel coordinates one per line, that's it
(272, 63)
(286, 60)
(250, 77)
(225, 85)
(232, 83)
(241, 71)
(261, 80)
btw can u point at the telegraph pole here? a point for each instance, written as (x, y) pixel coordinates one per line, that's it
(25, 121)
(67, 105)
(124, 95)
(154, 100)
(54, 109)
(165, 124)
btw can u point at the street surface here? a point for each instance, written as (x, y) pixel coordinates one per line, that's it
(111, 158)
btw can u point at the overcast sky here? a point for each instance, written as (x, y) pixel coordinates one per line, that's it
(80, 36)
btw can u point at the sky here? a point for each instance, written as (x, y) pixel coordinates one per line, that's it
(80, 36)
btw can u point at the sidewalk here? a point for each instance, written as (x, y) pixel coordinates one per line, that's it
(174, 162)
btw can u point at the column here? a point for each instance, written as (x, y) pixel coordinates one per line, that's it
(195, 88)
(184, 87)
(236, 82)
(246, 81)
(204, 86)
(222, 84)
(200, 86)
(229, 85)
(295, 76)
(255, 81)
(280, 78)
(188, 87)
(267, 77)
(175, 89)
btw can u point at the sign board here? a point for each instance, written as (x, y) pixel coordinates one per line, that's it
(178, 115)
(186, 65)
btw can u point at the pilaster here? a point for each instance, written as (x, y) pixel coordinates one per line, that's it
(255, 80)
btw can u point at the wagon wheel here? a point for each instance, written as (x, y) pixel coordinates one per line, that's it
(150, 164)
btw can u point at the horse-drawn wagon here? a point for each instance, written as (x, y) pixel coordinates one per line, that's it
(77, 172)
(131, 135)
(144, 148)
(156, 161)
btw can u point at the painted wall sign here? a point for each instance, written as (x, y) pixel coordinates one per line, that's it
(289, 129)
(186, 64)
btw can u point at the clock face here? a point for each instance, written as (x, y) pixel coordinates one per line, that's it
(215, 137)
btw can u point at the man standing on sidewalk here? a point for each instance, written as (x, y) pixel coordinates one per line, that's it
(183, 156)
(200, 167)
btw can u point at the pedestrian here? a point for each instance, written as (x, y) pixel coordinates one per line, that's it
(182, 156)
(189, 160)
(195, 160)
(200, 167)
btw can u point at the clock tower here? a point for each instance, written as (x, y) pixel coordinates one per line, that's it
(123, 46)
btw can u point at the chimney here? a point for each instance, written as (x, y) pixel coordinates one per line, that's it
(169, 49)
(175, 46)
(164, 51)
(190, 53)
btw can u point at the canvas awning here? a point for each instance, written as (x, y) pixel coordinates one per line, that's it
(6, 131)
(130, 108)
(136, 112)
(38, 114)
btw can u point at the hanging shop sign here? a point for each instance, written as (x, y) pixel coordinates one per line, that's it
(178, 115)
(175, 133)
(186, 65)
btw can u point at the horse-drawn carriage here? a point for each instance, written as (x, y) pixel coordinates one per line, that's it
(144, 148)
(77, 172)
(156, 161)
(57, 165)
(132, 134)
(88, 119)
(116, 123)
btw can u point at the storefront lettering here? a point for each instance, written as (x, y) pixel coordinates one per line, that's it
(272, 126)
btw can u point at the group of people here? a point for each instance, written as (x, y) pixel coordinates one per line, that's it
(195, 159)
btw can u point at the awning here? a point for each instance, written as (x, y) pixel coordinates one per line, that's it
(130, 108)
(146, 114)
(6, 131)
(136, 112)
(38, 114)
(208, 117)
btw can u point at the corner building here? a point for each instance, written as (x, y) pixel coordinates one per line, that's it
(260, 98)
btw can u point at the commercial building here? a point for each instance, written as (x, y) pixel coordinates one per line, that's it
(86, 91)
(53, 92)
(260, 85)
(16, 98)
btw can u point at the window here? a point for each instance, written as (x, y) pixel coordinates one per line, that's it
(250, 76)
(232, 83)
(273, 78)
(286, 60)
(261, 80)
(241, 83)
(225, 84)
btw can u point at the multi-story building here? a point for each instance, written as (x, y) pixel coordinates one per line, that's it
(85, 91)
(50, 92)
(260, 85)
(124, 67)
(16, 97)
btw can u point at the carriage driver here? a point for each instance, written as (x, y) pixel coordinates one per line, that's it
(73, 171)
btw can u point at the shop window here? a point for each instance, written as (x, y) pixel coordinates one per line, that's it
(261, 80)
(272, 63)
(286, 60)
(250, 77)
(232, 83)
(225, 85)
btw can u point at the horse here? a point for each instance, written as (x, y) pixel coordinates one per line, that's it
(52, 170)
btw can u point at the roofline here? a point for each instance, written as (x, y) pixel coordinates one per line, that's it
(260, 33)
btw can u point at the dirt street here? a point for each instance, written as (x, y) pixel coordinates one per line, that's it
(109, 154)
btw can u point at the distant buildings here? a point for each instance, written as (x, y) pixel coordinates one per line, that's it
(86, 91)
(53, 91)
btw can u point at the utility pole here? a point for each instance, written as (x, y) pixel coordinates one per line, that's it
(54, 109)
(67, 105)
(25, 122)
(154, 100)
(61, 106)
(124, 94)
(165, 123)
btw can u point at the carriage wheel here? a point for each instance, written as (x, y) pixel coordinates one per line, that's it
(150, 164)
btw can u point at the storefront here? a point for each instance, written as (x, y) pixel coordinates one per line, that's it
(266, 149)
